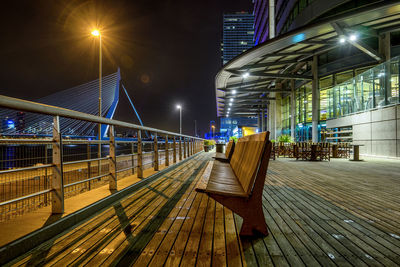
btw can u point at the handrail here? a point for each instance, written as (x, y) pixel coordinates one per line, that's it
(29, 106)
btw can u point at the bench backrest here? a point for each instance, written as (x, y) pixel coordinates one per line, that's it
(229, 149)
(246, 158)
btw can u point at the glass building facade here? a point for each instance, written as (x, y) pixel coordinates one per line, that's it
(343, 93)
(238, 31)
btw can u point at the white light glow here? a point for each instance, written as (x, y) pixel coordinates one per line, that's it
(233, 92)
(245, 75)
(342, 40)
(230, 104)
(231, 99)
(353, 37)
(178, 106)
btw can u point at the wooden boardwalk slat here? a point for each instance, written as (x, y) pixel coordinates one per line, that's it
(318, 214)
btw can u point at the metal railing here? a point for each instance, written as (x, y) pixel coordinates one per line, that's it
(38, 172)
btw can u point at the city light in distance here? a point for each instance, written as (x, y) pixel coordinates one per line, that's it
(96, 32)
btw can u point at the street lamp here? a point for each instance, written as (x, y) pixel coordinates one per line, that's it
(97, 33)
(213, 129)
(180, 118)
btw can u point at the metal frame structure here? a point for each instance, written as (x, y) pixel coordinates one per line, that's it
(56, 185)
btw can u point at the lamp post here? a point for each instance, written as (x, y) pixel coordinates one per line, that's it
(96, 33)
(213, 130)
(180, 118)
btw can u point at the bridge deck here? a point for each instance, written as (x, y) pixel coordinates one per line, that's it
(339, 213)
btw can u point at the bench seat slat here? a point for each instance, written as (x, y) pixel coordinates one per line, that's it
(223, 180)
(225, 190)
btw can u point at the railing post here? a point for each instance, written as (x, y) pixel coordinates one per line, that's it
(139, 155)
(174, 150)
(187, 147)
(155, 152)
(57, 183)
(166, 151)
(184, 147)
(88, 164)
(133, 157)
(180, 148)
(112, 182)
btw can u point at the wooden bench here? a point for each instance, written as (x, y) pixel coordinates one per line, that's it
(230, 147)
(239, 184)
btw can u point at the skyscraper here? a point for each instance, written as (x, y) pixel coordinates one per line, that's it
(238, 34)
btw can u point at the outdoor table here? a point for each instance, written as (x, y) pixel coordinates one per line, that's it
(356, 153)
(335, 150)
(313, 152)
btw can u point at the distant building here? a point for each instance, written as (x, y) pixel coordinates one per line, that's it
(238, 31)
(234, 126)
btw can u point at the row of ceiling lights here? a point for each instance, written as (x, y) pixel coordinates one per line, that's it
(342, 40)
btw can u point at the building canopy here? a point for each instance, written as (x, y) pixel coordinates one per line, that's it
(244, 84)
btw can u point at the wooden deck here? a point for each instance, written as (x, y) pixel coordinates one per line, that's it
(319, 214)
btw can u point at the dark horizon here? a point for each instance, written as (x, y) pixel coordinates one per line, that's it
(168, 52)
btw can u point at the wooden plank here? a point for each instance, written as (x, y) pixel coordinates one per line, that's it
(335, 234)
(248, 251)
(62, 245)
(192, 246)
(233, 253)
(183, 220)
(205, 248)
(293, 221)
(219, 250)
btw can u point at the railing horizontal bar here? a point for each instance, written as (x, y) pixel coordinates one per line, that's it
(86, 180)
(126, 169)
(25, 197)
(126, 155)
(29, 106)
(73, 141)
(26, 168)
(85, 160)
(26, 141)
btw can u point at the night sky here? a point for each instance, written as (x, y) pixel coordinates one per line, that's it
(168, 52)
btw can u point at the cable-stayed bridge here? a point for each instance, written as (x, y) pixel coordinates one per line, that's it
(83, 98)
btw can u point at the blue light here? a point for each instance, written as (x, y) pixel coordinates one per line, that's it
(299, 37)
(10, 124)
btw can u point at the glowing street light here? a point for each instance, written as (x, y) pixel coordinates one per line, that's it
(180, 118)
(96, 33)
(233, 92)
